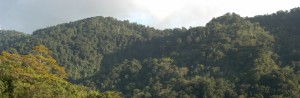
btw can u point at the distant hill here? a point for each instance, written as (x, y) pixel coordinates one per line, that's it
(8, 37)
(230, 57)
(80, 46)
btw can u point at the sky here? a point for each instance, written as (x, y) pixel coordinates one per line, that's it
(30, 15)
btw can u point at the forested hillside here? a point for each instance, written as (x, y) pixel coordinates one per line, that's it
(81, 46)
(8, 37)
(37, 75)
(230, 57)
(285, 27)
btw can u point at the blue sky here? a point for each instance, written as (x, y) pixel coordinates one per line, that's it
(29, 15)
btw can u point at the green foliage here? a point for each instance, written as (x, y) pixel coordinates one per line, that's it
(81, 46)
(38, 76)
(284, 26)
(9, 37)
(230, 57)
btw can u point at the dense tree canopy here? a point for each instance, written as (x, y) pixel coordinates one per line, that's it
(9, 37)
(284, 26)
(36, 75)
(230, 57)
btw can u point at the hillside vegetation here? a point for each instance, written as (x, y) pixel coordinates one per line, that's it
(230, 57)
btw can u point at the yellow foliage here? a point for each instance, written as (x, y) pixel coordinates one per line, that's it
(21, 65)
(37, 75)
(41, 49)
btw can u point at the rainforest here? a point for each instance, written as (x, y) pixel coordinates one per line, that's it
(103, 57)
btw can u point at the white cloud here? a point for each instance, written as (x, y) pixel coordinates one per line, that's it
(177, 13)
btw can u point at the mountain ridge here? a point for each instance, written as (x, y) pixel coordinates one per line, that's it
(231, 56)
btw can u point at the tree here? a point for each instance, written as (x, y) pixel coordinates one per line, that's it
(37, 75)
